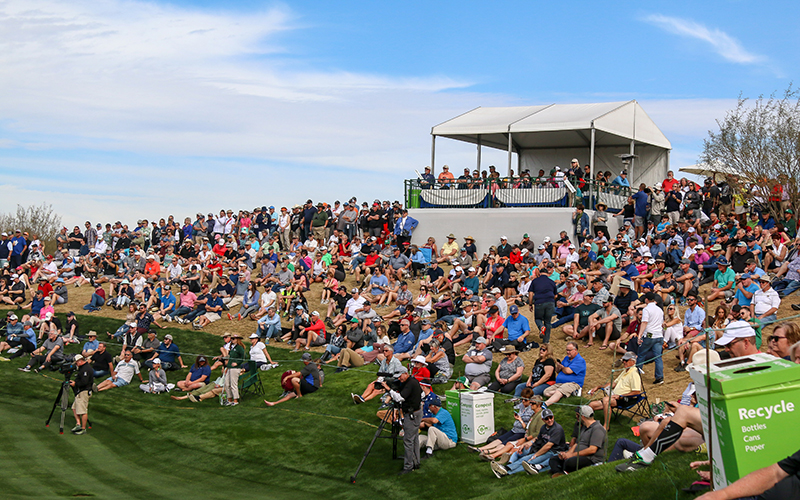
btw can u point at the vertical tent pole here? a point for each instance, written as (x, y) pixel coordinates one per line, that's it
(510, 148)
(591, 170)
(479, 152)
(433, 152)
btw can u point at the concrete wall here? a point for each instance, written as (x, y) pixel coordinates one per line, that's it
(487, 225)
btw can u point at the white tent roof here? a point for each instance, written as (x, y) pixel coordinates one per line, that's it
(555, 126)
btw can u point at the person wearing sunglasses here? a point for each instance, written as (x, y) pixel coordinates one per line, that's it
(783, 337)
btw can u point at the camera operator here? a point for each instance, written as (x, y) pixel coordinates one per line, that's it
(82, 387)
(409, 397)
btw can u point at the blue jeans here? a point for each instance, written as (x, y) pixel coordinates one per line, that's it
(100, 373)
(121, 331)
(537, 391)
(269, 331)
(194, 314)
(649, 350)
(95, 304)
(180, 312)
(514, 464)
(333, 349)
(543, 314)
(786, 287)
(621, 445)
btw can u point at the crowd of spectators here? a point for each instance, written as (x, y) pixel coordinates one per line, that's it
(336, 278)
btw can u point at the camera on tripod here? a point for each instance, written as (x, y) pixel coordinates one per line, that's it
(390, 380)
(67, 369)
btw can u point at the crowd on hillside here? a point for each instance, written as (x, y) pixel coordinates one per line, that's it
(614, 281)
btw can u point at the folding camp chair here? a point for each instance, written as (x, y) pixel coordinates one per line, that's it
(427, 253)
(639, 407)
(250, 383)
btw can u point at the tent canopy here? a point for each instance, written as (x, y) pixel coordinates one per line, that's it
(548, 135)
(555, 126)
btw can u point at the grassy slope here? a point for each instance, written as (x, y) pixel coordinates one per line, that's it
(148, 446)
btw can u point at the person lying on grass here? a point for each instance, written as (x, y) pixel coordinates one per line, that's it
(303, 382)
(208, 391)
(526, 427)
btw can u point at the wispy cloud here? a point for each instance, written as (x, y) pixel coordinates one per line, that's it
(722, 43)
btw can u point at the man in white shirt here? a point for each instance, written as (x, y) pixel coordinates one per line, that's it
(122, 374)
(766, 301)
(651, 336)
(354, 305)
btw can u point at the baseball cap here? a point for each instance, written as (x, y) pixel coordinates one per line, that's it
(738, 329)
(586, 411)
(253, 335)
(168, 336)
(306, 356)
(78, 357)
(480, 340)
(628, 355)
(434, 400)
(547, 413)
(513, 309)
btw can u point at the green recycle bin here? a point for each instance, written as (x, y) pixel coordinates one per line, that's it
(755, 408)
(413, 198)
(453, 405)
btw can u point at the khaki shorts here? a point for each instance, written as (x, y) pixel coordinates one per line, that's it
(81, 403)
(565, 389)
(212, 316)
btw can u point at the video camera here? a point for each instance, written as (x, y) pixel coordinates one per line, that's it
(67, 369)
(390, 380)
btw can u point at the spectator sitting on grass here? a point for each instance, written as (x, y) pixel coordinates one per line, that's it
(526, 425)
(122, 374)
(303, 382)
(534, 456)
(442, 432)
(198, 375)
(156, 379)
(168, 352)
(208, 391)
(478, 363)
(571, 374)
(586, 448)
(390, 366)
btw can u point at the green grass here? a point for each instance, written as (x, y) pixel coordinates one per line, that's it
(149, 446)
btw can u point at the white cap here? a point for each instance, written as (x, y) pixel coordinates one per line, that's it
(420, 359)
(738, 329)
(459, 268)
(546, 239)
(504, 238)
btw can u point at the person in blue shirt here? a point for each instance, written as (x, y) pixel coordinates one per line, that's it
(517, 327)
(472, 282)
(640, 209)
(427, 181)
(168, 352)
(766, 221)
(18, 248)
(571, 374)
(403, 347)
(19, 335)
(425, 333)
(91, 344)
(658, 250)
(745, 290)
(269, 325)
(621, 179)
(167, 304)
(442, 432)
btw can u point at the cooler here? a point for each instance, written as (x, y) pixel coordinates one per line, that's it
(755, 407)
(477, 416)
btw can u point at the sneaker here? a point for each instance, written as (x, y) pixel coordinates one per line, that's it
(658, 381)
(4, 359)
(353, 397)
(230, 317)
(231, 403)
(680, 368)
(627, 454)
(703, 449)
(499, 469)
(532, 469)
(274, 365)
(168, 318)
(79, 432)
(25, 369)
(192, 398)
(474, 449)
(76, 428)
(635, 463)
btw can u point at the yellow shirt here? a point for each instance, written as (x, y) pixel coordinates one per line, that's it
(450, 249)
(629, 381)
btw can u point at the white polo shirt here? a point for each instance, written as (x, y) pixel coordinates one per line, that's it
(654, 316)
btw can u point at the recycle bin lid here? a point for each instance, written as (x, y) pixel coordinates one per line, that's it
(745, 373)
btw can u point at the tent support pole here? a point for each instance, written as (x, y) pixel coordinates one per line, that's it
(433, 153)
(591, 172)
(479, 153)
(510, 148)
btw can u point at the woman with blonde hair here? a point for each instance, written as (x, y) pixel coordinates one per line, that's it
(673, 326)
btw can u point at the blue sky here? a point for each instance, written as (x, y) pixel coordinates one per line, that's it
(120, 109)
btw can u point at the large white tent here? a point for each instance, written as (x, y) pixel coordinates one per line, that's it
(549, 135)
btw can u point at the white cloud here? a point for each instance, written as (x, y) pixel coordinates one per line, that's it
(722, 43)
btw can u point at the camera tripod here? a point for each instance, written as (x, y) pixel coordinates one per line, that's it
(395, 433)
(62, 400)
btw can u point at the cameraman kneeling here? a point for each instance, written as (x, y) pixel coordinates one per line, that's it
(410, 399)
(82, 387)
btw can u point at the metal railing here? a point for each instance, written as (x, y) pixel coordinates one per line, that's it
(512, 192)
